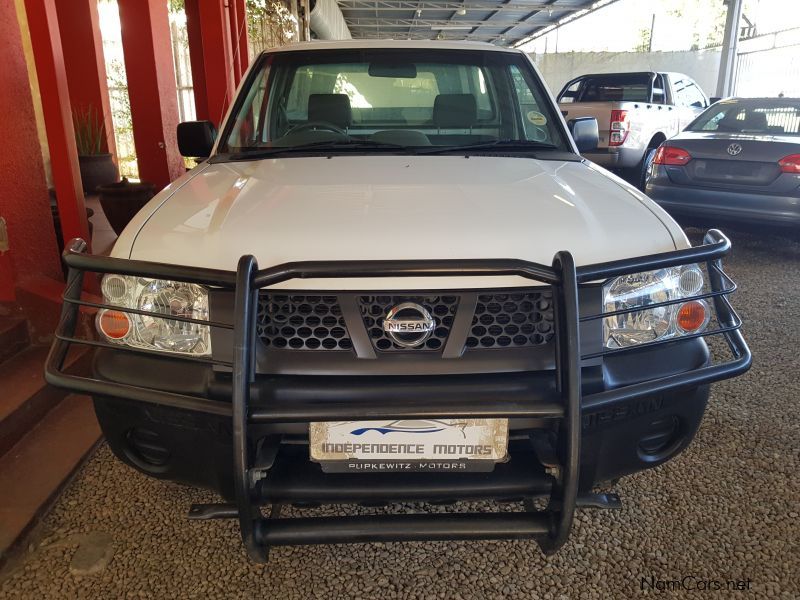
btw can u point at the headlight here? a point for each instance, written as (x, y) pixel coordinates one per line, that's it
(168, 298)
(639, 290)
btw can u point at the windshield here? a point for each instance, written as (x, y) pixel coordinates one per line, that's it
(392, 100)
(769, 117)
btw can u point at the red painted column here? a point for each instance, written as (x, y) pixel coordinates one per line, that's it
(231, 17)
(52, 77)
(79, 25)
(216, 83)
(24, 202)
(151, 86)
(238, 22)
(195, 35)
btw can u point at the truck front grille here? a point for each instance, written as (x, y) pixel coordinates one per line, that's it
(294, 322)
(512, 320)
(502, 319)
(374, 309)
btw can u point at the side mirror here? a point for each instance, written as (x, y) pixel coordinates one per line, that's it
(585, 132)
(196, 138)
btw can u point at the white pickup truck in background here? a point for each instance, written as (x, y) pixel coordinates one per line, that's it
(635, 113)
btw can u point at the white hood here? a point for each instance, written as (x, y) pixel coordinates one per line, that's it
(397, 207)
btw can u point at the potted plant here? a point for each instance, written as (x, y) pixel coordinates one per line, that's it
(97, 167)
(122, 200)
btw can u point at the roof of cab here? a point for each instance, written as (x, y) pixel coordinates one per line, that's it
(397, 44)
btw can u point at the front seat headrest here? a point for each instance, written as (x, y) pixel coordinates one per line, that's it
(331, 108)
(755, 121)
(458, 111)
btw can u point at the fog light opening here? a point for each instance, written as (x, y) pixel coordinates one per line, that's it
(146, 449)
(662, 440)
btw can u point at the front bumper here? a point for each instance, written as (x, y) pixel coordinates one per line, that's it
(618, 437)
(572, 426)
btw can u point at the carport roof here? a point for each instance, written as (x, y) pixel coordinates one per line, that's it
(502, 22)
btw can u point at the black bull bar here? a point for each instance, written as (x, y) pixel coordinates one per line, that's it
(549, 527)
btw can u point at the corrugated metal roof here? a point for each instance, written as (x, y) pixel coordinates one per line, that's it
(502, 22)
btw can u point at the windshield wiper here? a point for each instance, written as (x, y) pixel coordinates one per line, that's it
(513, 145)
(256, 152)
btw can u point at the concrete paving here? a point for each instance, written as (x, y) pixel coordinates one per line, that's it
(727, 509)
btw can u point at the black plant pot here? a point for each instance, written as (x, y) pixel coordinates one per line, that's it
(122, 200)
(97, 170)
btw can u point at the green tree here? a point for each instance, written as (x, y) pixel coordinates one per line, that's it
(269, 23)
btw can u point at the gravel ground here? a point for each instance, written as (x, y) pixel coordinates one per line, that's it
(725, 509)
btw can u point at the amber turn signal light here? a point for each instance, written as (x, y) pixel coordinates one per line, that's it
(692, 316)
(113, 324)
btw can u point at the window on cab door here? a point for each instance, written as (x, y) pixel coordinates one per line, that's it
(688, 94)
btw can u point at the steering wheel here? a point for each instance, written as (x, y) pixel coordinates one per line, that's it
(317, 125)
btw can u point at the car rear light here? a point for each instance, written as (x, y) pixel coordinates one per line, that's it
(671, 155)
(618, 130)
(790, 164)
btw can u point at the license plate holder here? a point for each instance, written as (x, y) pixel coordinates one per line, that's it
(439, 445)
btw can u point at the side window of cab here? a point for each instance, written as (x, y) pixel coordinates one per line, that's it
(570, 93)
(687, 93)
(694, 97)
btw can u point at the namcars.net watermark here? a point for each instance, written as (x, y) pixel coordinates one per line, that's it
(695, 583)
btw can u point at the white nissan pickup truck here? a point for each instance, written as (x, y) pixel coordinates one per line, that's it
(635, 113)
(393, 278)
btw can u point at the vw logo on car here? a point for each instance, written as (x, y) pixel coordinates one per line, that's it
(409, 324)
(735, 149)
